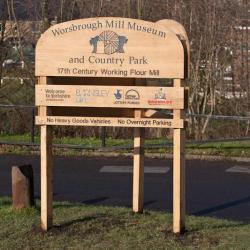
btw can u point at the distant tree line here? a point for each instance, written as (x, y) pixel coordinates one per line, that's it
(218, 31)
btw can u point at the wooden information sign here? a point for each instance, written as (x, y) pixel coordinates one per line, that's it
(92, 72)
(110, 47)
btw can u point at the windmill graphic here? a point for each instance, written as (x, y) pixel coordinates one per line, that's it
(108, 42)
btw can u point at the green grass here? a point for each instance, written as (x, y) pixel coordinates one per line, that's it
(97, 227)
(88, 142)
(232, 148)
(17, 138)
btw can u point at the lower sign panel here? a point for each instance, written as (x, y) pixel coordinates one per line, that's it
(109, 122)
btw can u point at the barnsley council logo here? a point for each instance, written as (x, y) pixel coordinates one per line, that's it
(108, 42)
(160, 94)
(160, 98)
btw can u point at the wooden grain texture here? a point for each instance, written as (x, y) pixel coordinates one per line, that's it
(46, 169)
(110, 96)
(180, 31)
(138, 161)
(110, 47)
(174, 26)
(179, 173)
(109, 122)
(138, 166)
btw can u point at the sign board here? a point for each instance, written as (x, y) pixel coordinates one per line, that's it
(110, 47)
(109, 122)
(180, 31)
(110, 96)
(88, 74)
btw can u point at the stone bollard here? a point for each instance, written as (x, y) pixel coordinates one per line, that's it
(22, 186)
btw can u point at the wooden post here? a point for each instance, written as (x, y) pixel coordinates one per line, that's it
(138, 171)
(46, 170)
(179, 172)
(22, 186)
(138, 168)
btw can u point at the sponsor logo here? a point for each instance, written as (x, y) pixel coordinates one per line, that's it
(118, 94)
(132, 95)
(83, 95)
(160, 99)
(108, 42)
(160, 94)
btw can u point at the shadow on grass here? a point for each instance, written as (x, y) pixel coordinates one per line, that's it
(76, 221)
(96, 201)
(102, 223)
(77, 204)
(220, 226)
(66, 227)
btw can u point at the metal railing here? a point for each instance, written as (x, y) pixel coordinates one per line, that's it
(32, 109)
(103, 135)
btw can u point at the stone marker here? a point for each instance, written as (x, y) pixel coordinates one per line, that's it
(22, 186)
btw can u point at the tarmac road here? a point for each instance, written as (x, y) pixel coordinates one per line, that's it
(210, 189)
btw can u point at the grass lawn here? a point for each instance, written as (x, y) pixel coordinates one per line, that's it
(96, 227)
(230, 148)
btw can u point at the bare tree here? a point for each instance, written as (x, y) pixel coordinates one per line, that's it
(3, 46)
(218, 31)
(45, 15)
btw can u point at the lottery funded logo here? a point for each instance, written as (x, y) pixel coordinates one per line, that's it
(160, 98)
(130, 97)
(118, 94)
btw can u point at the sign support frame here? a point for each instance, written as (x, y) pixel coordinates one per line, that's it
(138, 161)
(46, 168)
(179, 172)
(138, 167)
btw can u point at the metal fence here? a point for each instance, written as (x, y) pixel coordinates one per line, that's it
(103, 135)
(30, 109)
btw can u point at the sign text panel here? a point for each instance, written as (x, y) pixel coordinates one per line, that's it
(110, 96)
(109, 122)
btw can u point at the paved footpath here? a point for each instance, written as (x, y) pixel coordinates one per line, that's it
(214, 188)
